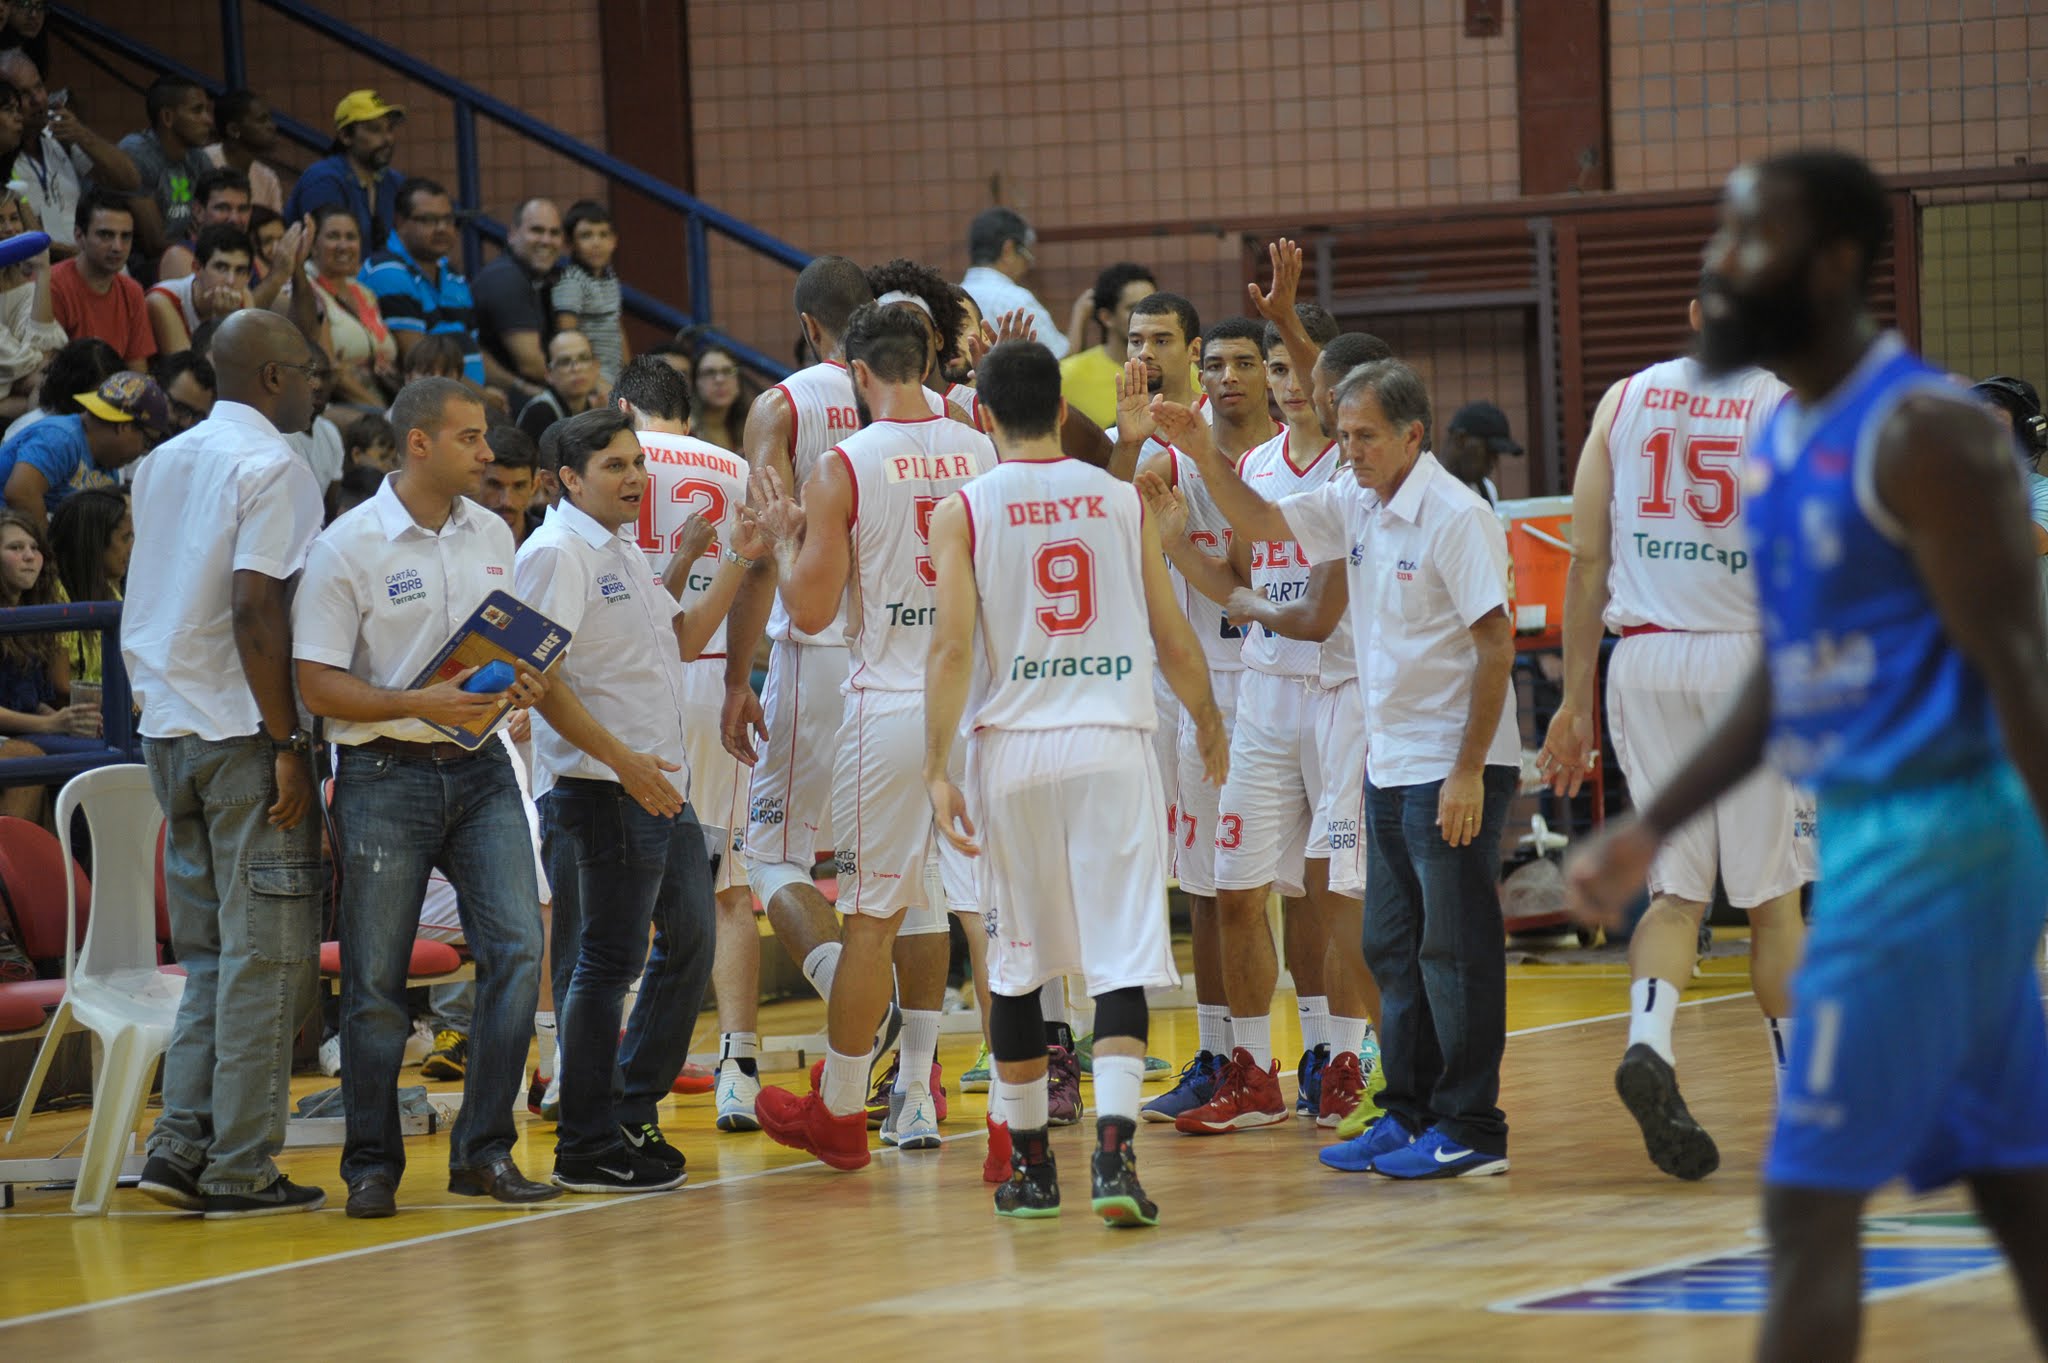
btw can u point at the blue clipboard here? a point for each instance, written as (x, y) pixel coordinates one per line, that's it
(503, 629)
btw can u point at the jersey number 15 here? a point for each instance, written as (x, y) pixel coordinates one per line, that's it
(1713, 493)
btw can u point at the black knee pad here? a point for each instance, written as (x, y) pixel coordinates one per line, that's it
(1016, 1028)
(1122, 1012)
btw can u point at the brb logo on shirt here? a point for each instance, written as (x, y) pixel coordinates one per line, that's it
(405, 585)
(611, 588)
(1404, 569)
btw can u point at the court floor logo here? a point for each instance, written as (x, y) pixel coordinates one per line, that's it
(1737, 1282)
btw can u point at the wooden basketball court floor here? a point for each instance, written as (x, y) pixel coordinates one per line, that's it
(1260, 1251)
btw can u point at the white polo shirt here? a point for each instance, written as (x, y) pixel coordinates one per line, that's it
(1422, 570)
(383, 593)
(227, 496)
(995, 293)
(622, 662)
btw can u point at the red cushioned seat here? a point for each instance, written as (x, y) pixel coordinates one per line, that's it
(27, 1005)
(428, 958)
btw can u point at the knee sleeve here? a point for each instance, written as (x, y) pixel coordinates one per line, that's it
(1016, 1028)
(1122, 1012)
(771, 878)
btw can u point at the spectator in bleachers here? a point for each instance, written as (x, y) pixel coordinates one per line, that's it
(571, 388)
(515, 312)
(266, 228)
(35, 674)
(364, 352)
(586, 297)
(91, 539)
(80, 367)
(357, 484)
(92, 294)
(999, 254)
(219, 286)
(358, 175)
(369, 441)
(1088, 377)
(247, 135)
(510, 479)
(118, 424)
(59, 153)
(221, 199)
(168, 159)
(188, 384)
(319, 445)
(677, 355)
(418, 292)
(724, 397)
(29, 334)
(434, 357)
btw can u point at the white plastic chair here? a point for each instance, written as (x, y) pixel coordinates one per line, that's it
(114, 988)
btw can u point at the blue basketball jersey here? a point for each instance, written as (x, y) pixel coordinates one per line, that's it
(1867, 688)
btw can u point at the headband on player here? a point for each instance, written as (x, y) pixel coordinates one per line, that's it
(899, 296)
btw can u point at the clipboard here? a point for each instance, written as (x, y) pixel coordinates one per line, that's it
(501, 629)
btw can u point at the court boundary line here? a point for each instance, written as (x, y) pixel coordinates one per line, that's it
(532, 1218)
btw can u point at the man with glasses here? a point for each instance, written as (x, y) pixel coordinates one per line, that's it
(999, 254)
(572, 384)
(58, 153)
(418, 291)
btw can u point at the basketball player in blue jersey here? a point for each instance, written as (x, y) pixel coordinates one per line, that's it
(1902, 681)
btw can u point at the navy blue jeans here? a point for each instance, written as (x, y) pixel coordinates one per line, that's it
(1436, 947)
(615, 869)
(398, 818)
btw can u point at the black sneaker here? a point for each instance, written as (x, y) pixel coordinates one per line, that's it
(1649, 1089)
(649, 1144)
(171, 1183)
(1113, 1169)
(450, 1057)
(280, 1197)
(618, 1171)
(1033, 1190)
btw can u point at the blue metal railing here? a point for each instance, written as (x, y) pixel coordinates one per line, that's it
(700, 219)
(117, 706)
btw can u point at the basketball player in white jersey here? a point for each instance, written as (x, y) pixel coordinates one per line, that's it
(694, 494)
(863, 531)
(1660, 555)
(1048, 565)
(1343, 1067)
(1266, 829)
(1234, 380)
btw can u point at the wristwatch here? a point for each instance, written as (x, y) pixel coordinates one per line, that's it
(742, 560)
(298, 740)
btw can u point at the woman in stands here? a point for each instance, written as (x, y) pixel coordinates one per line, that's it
(91, 537)
(364, 352)
(724, 396)
(35, 674)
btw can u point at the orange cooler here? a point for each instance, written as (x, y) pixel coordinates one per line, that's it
(1539, 531)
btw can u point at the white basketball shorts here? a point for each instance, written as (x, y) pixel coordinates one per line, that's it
(789, 797)
(1340, 818)
(882, 813)
(718, 783)
(1195, 800)
(1267, 810)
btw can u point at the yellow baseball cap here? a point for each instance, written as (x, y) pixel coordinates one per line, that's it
(360, 106)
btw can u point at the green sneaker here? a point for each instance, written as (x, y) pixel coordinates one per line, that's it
(1367, 1110)
(976, 1079)
(1156, 1070)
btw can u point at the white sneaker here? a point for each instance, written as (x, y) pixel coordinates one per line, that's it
(735, 1095)
(551, 1100)
(330, 1056)
(418, 1046)
(915, 1120)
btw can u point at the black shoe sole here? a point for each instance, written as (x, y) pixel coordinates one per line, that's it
(576, 1185)
(240, 1212)
(1676, 1143)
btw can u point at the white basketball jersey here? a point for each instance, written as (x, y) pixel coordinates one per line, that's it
(901, 471)
(1065, 638)
(1209, 528)
(1681, 556)
(822, 413)
(964, 397)
(1279, 567)
(685, 476)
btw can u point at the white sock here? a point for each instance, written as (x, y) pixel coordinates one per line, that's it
(997, 1113)
(544, 1033)
(1348, 1034)
(845, 1085)
(739, 1046)
(1119, 1079)
(1024, 1105)
(1254, 1035)
(1652, 1004)
(1314, 1010)
(1212, 1027)
(917, 1045)
(820, 965)
(1781, 1046)
(629, 1003)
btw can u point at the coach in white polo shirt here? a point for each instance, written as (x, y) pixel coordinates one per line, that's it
(623, 847)
(223, 515)
(385, 587)
(1428, 571)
